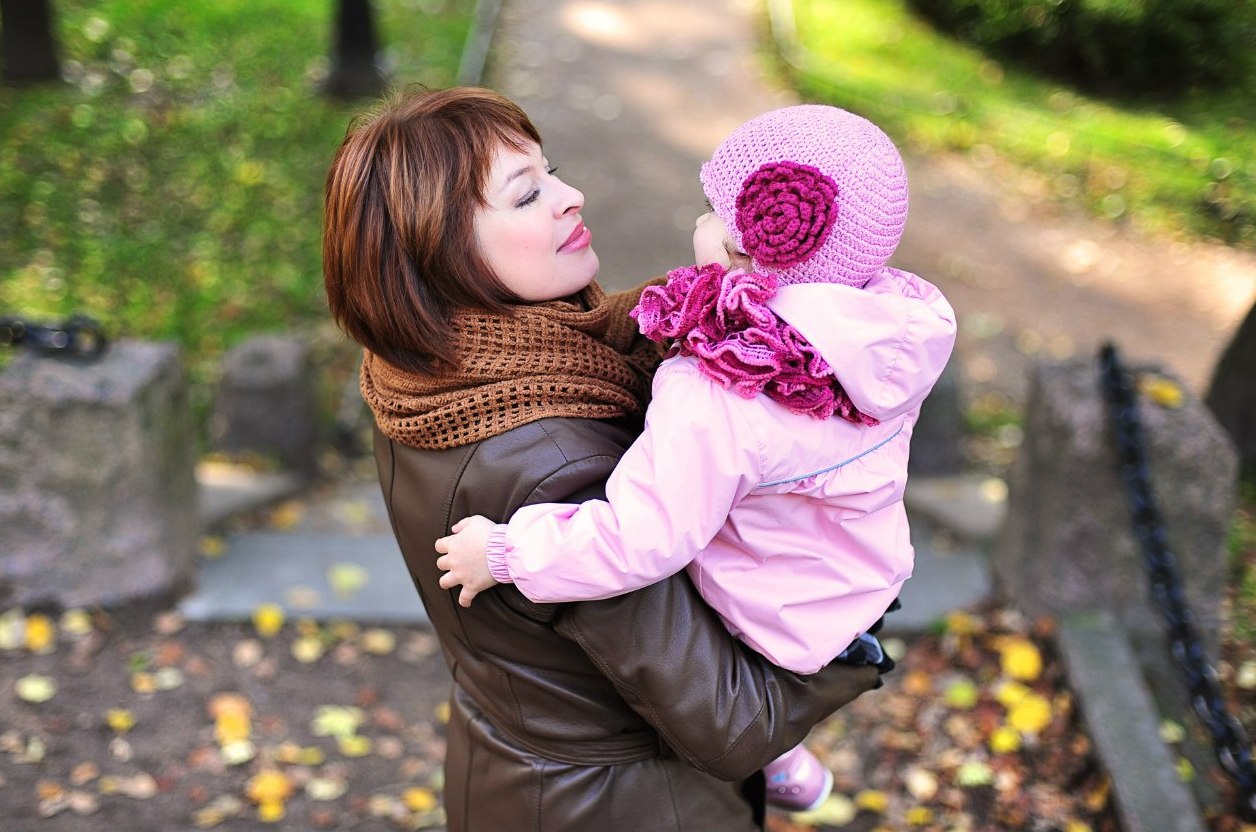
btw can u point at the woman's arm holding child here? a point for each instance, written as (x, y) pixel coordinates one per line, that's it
(665, 501)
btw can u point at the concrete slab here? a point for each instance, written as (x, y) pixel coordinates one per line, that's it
(1122, 720)
(970, 505)
(944, 579)
(224, 490)
(321, 576)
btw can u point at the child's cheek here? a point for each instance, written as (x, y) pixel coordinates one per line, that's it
(708, 242)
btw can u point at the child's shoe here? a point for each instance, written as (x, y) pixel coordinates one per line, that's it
(797, 782)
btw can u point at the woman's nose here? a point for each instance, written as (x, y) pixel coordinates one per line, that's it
(572, 200)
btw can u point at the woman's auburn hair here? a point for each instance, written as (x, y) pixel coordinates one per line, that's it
(399, 249)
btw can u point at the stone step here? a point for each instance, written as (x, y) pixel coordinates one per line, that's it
(1123, 720)
(306, 573)
(946, 578)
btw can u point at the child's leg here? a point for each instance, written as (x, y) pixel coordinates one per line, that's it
(797, 781)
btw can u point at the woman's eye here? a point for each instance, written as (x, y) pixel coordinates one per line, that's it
(529, 199)
(552, 169)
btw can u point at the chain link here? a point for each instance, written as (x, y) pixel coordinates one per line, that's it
(77, 336)
(1229, 740)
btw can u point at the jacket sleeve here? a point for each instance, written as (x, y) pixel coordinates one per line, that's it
(665, 501)
(722, 707)
(718, 704)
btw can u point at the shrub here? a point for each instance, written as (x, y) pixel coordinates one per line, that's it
(1122, 47)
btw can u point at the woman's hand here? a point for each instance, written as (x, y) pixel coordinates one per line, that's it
(464, 558)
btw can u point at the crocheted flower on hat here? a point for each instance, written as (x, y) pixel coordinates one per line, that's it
(785, 211)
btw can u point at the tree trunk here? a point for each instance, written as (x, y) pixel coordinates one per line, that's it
(355, 71)
(28, 51)
(1232, 394)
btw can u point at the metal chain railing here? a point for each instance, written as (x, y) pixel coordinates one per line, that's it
(1229, 740)
(77, 336)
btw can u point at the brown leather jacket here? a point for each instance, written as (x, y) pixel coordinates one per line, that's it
(635, 713)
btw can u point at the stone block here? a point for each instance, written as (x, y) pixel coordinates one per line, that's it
(1067, 543)
(938, 436)
(266, 402)
(97, 494)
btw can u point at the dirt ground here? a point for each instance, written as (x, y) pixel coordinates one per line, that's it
(346, 722)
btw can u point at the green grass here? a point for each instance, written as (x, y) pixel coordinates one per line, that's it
(173, 188)
(1184, 167)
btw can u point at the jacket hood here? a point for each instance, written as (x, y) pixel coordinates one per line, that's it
(887, 342)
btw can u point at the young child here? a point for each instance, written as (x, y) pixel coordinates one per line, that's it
(774, 456)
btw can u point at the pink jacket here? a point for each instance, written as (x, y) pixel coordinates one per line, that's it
(793, 529)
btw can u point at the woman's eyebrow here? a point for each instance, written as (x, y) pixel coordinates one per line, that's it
(512, 177)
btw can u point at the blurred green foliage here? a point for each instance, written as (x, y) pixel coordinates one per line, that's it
(1129, 47)
(1242, 549)
(172, 186)
(1184, 165)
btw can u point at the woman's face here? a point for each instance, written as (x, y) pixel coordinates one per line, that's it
(530, 232)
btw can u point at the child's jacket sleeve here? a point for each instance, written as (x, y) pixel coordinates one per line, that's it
(666, 499)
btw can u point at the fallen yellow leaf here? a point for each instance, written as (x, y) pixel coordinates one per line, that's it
(325, 788)
(268, 619)
(1171, 732)
(961, 623)
(921, 783)
(120, 720)
(837, 810)
(919, 816)
(337, 721)
(917, 683)
(1097, 797)
(1008, 693)
(869, 800)
(35, 688)
(419, 799)
(143, 682)
(347, 579)
(232, 726)
(286, 515)
(1161, 391)
(1030, 715)
(270, 811)
(237, 752)
(293, 754)
(1004, 740)
(961, 694)
(307, 649)
(76, 622)
(354, 745)
(221, 703)
(378, 642)
(12, 630)
(268, 785)
(41, 634)
(1020, 658)
(974, 773)
(211, 546)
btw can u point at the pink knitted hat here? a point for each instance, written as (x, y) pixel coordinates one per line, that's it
(812, 193)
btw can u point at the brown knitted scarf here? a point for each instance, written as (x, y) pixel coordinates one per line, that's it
(582, 360)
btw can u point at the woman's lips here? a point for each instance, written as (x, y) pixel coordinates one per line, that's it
(580, 237)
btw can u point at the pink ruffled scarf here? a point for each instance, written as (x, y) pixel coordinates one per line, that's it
(722, 318)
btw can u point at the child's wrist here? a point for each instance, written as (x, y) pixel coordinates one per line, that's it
(496, 553)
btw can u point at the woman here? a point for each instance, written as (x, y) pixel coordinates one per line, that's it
(500, 375)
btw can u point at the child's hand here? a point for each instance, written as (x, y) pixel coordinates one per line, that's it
(464, 557)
